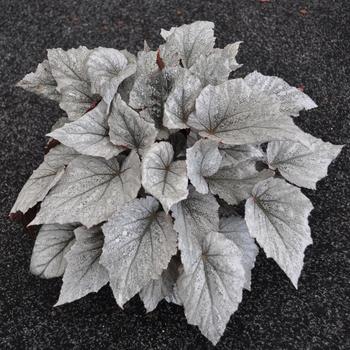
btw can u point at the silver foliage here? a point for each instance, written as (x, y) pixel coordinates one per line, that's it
(44, 178)
(84, 273)
(212, 291)
(91, 190)
(162, 177)
(139, 244)
(169, 125)
(89, 134)
(235, 229)
(277, 216)
(50, 250)
(302, 165)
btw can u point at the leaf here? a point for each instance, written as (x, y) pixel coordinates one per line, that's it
(230, 51)
(146, 63)
(50, 249)
(161, 288)
(151, 91)
(44, 178)
(302, 165)
(59, 123)
(194, 217)
(292, 99)
(213, 69)
(89, 134)
(188, 42)
(203, 159)
(181, 101)
(236, 154)
(41, 82)
(84, 273)
(234, 114)
(127, 128)
(139, 243)
(107, 69)
(91, 190)
(277, 216)
(162, 177)
(234, 182)
(212, 292)
(235, 229)
(69, 71)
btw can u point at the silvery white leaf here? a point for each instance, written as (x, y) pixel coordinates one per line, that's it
(236, 154)
(41, 82)
(161, 288)
(89, 134)
(50, 249)
(235, 229)
(234, 182)
(59, 123)
(302, 165)
(203, 159)
(234, 114)
(213, 69)
(162, 177)
(151, 91)
(69, 71)
(139, 243)
(188, 42)
(277, 216)
(44, 178)
(230, 51)
(91, 190)
(292, 99)
(146, 63)
(107, 68)
(194, 217)
(181, 100)
(84, 273)
(128, 129)
(166, 33)
(212, 292)
(76, 102)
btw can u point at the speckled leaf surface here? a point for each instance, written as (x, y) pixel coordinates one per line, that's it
(213, 69)
(302, 165)
(194, 217)
(139, 243)
(234, 114)
(277, 216)
(163, 177)
(161, 288)
(44, 178)
(212, 292)
(128, 129)
(292, 99)
(234, 182)
(41, 82)
(235, 229)
(235, 154)
(203, 160)
(91, 190)
(51, 246)
(89, 134)
(181, 100)
(188, 42)
(84, 273)
(107, 69)
(69, 71)
(151, 91)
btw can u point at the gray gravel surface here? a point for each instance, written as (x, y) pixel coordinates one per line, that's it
(304, 42)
